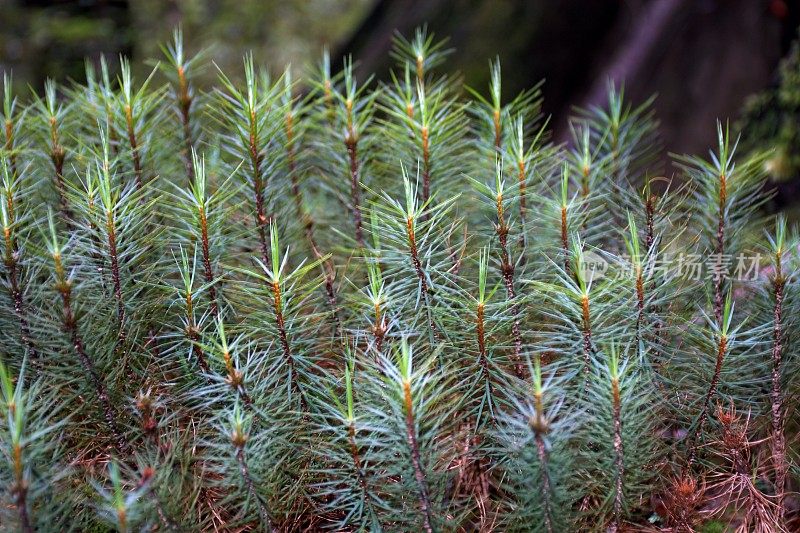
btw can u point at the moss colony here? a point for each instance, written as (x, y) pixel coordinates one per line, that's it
(295, 303)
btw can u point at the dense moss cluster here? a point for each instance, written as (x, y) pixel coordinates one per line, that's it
(315, 302)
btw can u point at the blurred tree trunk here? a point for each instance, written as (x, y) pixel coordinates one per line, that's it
(702, 57)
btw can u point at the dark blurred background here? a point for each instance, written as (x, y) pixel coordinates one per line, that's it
(706, 59)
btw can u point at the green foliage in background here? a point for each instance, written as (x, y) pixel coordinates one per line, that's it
(771, 120)
(52, 39)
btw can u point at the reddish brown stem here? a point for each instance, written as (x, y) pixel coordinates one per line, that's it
(11, 261)
(619, 458)
(208, 271)
(20, 487)
(587, 339)
(70, 325)
(57, 156)
(419, 473)
(426, 165)
(585, 182)
(649, 210)
(357, 463)
(115, 274)
(778, 442)
(258, 189)
(507, 268)
(640, 297)
(198, 352)
(722, 347)
(22, 508)
(351, 143)
(498, 131)
(284, 341)
(565, 241)
(425, 289)
(522, 179)
(251, 489)
(652, 252)
(134, 145)
(720, 248)
(185, 100)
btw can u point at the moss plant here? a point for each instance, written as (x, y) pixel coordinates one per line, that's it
(294, 302)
